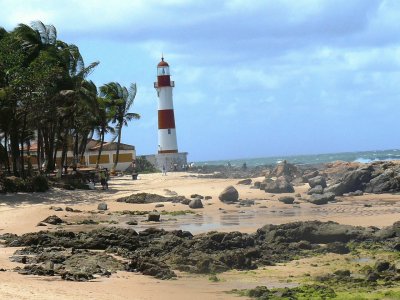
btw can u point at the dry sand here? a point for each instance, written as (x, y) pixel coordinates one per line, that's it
(20, 213)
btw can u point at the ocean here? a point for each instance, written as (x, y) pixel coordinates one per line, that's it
(361, 156)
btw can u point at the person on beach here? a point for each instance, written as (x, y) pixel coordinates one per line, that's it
(103, 180)
(164, 170)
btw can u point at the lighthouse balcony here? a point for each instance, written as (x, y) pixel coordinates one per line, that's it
(171, 84)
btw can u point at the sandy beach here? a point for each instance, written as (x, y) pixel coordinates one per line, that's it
(20, 213)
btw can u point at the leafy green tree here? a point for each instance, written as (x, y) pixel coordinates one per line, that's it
(121, 101)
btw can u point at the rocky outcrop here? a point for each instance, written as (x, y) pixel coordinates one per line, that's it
(388, 181)
(285, 169)
(280, 185)
(229, 195)
(142, 198)
(351, 181)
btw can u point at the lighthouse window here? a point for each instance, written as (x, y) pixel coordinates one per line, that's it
(169, 131)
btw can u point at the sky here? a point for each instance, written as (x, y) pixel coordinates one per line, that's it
(252, 78)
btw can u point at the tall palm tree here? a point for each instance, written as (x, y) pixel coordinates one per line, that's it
(102, 126)
(121, 101)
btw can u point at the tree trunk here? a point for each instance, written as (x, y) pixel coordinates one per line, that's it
(101, 147)
(118, 143)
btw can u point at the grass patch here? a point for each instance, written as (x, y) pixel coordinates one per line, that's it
(177, 212)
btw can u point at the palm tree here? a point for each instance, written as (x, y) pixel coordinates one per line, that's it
(121, 100)
(103, 127)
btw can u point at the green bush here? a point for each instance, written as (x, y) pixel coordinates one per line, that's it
(39, 183)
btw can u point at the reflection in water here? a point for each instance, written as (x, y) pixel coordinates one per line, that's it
(231, 220)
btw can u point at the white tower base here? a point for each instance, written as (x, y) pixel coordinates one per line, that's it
(171, 161)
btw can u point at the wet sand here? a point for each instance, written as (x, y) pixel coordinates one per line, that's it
(20, 213)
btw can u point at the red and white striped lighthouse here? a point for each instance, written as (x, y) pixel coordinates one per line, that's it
(166, 120)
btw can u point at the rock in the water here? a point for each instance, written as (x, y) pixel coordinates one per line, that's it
(280, 185)
(53, 220)
(351, 181)
(321, 199)
(153, 216)
(229, 195)
(286, 199)
(318, 180)
(316, 190)
(245, 181)
(102, 206)
(196, 203)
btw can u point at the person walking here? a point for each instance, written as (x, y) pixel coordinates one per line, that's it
(164, 170)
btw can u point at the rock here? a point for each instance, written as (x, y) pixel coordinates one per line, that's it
(257, 184)
(41, 224)
(53, 220)
(102, 206)
(229, 195)
(207, 197)
(338, 248)
(310, 174)
(318, 189)
(381, 265)
(159, 205)
(351, 181)
(356, 193)
(372, 277)
(196, 203)
(342, 273)
(185, 201)
(388, 181)
(286, 199)
(298, 181)
(246, 203)
(133, 222)
(321, 199)
(196, 196)
(142, 198)
(56, 208)
(298, 195)
(69, 209)
(285, 169)
(318, 180)
(153, 216)
(245, 181)
(280, 185)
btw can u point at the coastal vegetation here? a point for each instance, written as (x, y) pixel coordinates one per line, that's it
(47, 101)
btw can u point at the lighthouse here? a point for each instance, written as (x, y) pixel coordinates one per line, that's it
(168, 156)
(166, 119)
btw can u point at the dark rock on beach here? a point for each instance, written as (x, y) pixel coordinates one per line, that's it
(318, 189)
(286, 199)
(280, 185)
(153, 216)
(320, 199)
(229, 195)
(245, 181)
(195, 203)
(53, 220)
(318, 180)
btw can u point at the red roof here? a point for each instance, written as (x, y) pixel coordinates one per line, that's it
(162, 63)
